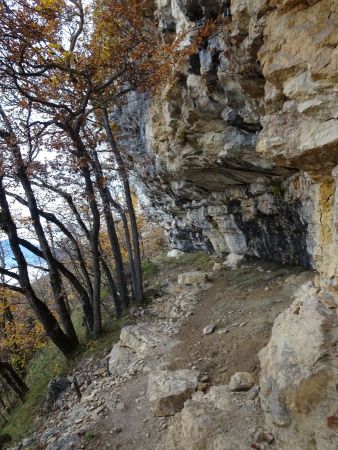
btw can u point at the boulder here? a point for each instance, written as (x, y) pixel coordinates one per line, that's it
(190, 278)
(152, 292)
(217, 267)
(198, 427)
(65, 442)
(168, 390)
(232, 261)
(299, 375)
(241, 381)
(119, 360)
(175, 253)
(139, 338)
(217, 420)
(166, 310)
(56, 387)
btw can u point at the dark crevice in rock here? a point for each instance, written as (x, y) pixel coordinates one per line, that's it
(197, 10)
(195, 64)
(237, 121)
(277, 237)
(190, 240)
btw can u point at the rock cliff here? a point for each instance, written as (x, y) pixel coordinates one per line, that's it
(239, 155)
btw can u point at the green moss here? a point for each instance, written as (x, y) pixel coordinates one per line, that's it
(89, 435)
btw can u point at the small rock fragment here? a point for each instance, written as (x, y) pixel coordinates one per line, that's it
(261, 436)
(204, 378)
(217, 267)
(253, 393)
(168, 390)
(223, 331)
(232, 261)
(241, 381)
(175, 253)
(203, 387)
(208, 329)
(190, 278)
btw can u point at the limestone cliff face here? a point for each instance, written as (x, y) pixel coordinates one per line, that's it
(235, 150)
(240, 155)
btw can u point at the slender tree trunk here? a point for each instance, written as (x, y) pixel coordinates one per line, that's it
(50, 324)
(112, 288)
(13, 380)
(86, 299)
(111, 285)
(96, 224)
(87, 307)
(123, 216)
(54, 276)
(132, 216)
(113, 239)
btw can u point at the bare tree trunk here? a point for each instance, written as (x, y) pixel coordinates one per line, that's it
(132, 216)
(96, 224)
(114, 242)
(86, 298)
(50, 324)
(54, 276)
(13, 380)
(7, 313)
(111, 285)
(112, 288)
(87, 307)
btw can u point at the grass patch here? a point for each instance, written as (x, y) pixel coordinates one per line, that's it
(103, 344)
(48, 364)
(149, 269)
(89, 435)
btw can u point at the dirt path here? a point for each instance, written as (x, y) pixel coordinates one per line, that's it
(114, 413)
(243, 305)
(245, 302)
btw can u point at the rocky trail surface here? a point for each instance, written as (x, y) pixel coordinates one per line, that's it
(169, 382)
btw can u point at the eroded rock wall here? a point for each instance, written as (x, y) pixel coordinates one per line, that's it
(233, 152)
(299, 369)
(240, 155)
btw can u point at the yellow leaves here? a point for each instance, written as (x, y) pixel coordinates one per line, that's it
(4, 307)
(20, 341)
(55, 46)
(20, 337)
(49, 4)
